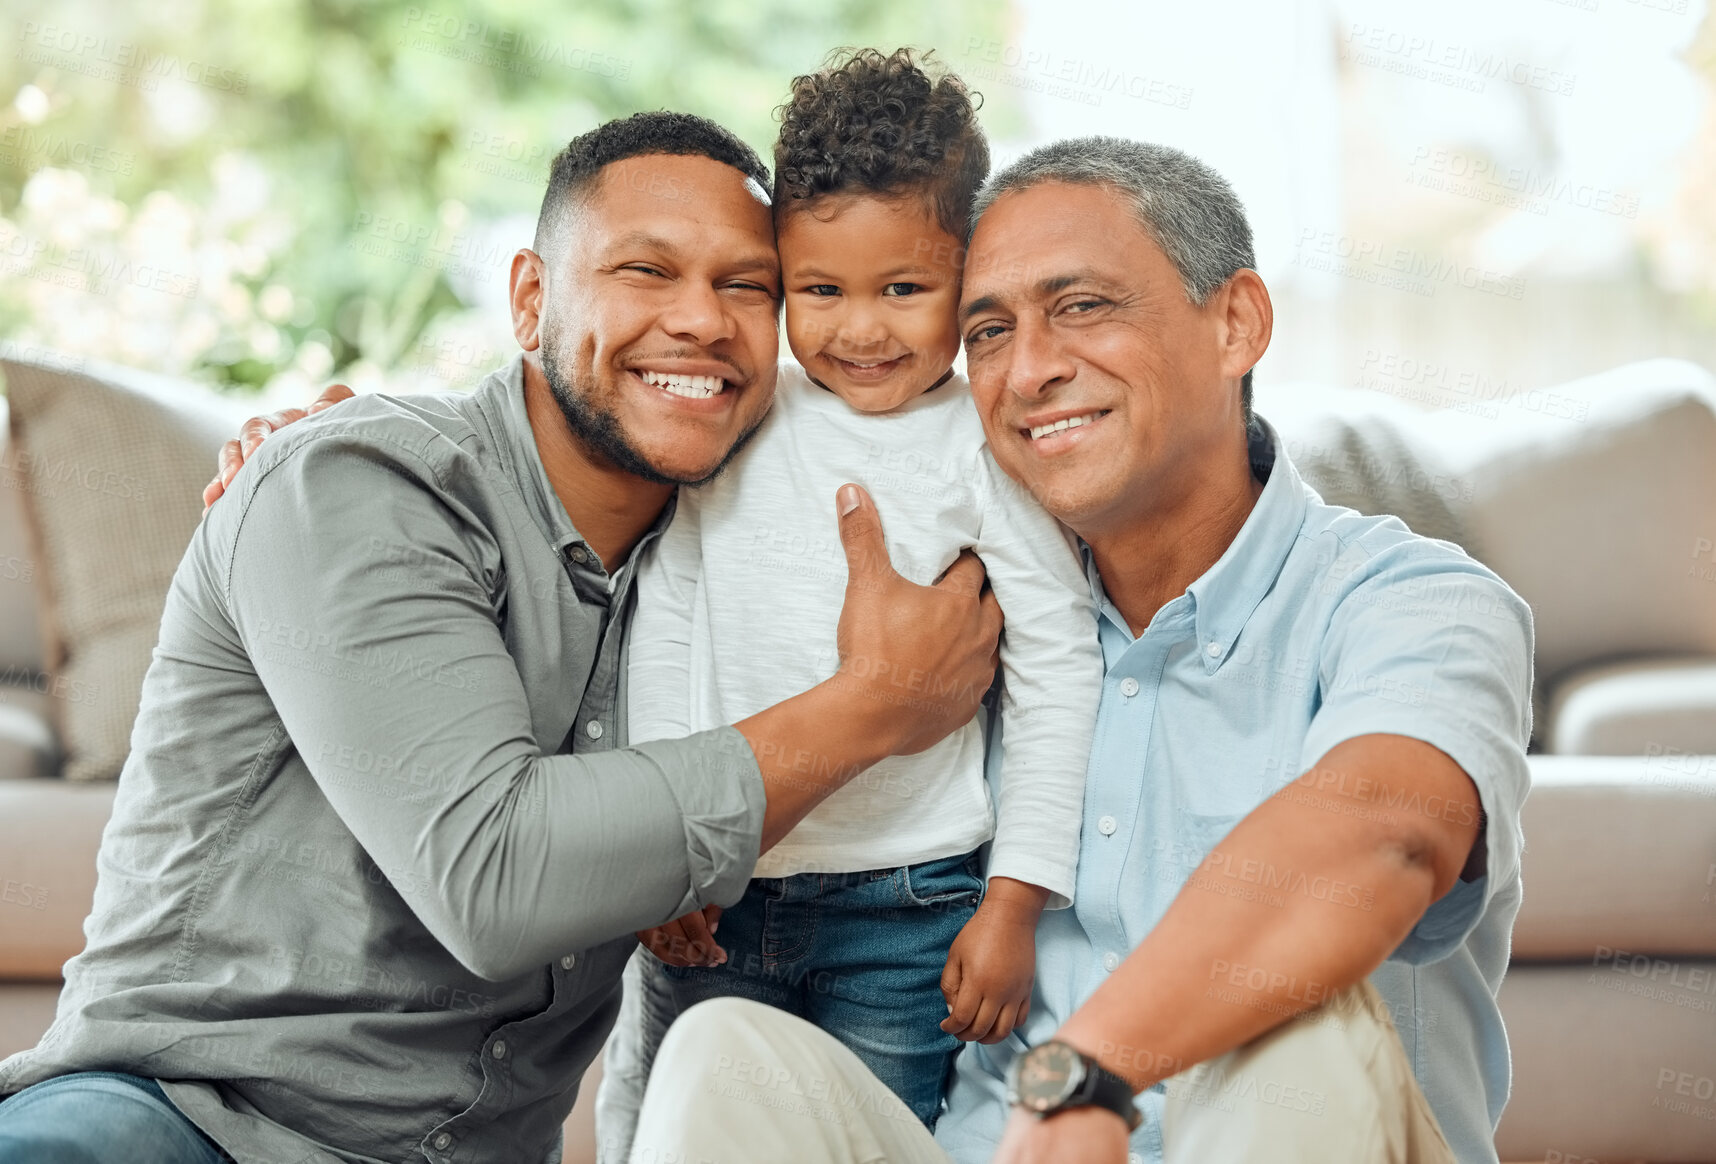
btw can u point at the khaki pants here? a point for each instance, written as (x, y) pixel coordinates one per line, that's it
(740, 1083)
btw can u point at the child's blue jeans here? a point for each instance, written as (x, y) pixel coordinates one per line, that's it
(858, 954)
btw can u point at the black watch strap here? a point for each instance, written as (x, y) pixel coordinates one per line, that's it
(1107, 1090)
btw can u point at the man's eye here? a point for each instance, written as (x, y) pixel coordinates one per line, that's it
(1083, 305)
(902, 289)
(643, 268)
(987, 331)
(823, 289)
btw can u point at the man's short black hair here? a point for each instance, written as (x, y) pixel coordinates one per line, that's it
(577, 167)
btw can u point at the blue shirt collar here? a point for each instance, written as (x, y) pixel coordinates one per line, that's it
(1226, 594)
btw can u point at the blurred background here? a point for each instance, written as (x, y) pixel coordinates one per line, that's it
(1455, 202)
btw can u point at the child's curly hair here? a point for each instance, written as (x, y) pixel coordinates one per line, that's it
(880, 124)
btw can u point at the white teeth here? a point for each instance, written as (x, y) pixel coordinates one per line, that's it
(696, 387)
(1043, 430)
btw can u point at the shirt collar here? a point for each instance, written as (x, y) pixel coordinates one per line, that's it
(1224, 596)
(501, 397)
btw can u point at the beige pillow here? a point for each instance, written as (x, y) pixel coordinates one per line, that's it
(111, 465)
(1595, 500)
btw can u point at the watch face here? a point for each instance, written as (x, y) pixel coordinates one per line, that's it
(1048, 1076)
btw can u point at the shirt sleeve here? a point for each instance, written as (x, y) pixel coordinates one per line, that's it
(1052, 669)
(658, 669)
(516, 856)
(1434, 647)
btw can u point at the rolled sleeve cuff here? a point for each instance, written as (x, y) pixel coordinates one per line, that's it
(721, 801)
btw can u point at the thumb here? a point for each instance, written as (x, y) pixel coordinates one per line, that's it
(861, 535)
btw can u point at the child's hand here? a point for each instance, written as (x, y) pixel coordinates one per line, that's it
(687, 941)
(987, 982)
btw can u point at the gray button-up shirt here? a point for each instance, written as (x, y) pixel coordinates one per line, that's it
(378, 853)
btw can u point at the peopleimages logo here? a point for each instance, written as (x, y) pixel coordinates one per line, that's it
(121, 60)
(1459, 66)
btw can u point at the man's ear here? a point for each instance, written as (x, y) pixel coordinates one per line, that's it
(1246, 320)
(526, 290)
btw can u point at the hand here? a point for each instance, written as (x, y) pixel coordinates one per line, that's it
(687, 941)
(987, 982)
(1090, 1135)
(918, 658)
(234, 453)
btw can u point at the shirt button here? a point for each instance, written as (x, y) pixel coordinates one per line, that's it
(1111, 961)
(593, 729)
(499, 1049)
(578, 554)
(568, 961)
(1129, 687)
(1106, 826)
(442, 1140)
(1213, 650)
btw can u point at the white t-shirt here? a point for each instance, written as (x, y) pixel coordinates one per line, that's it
(738, 605)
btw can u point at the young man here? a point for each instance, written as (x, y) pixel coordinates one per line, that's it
(1304, 795)
(377, 858)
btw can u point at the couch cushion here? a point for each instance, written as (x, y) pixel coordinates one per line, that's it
(1608, 1064)
(1620, 855)
(28, 748)
(21, 655)
(1595, 500)
(112, 464)
(1650, 707)
(49, 833)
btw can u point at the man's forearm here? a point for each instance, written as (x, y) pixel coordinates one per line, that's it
(1297, 903)
(807, 748)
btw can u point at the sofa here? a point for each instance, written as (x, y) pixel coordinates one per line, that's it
(1596, 501)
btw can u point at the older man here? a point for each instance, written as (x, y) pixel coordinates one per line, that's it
(376, 860)
(1301, 836)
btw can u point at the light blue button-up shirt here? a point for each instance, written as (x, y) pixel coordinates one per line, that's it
(1317, 625)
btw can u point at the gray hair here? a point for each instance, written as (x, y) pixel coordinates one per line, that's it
(1186, 208)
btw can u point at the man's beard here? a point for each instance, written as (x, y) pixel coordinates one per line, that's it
(598, 429)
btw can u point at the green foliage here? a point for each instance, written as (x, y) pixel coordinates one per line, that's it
(239, 188)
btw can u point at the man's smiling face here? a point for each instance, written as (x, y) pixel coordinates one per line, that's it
(1102, 388)
(657, 323)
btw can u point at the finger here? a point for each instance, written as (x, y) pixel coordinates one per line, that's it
(331, 395)
(964, 1010)
(712, 915)
(965, 576)
(987, 1013)
(212, 492)
(950, 979)
(677, 947)
(861, 535)
(703, 947)
(255, 430)
(1005, 1020)
(231, 460)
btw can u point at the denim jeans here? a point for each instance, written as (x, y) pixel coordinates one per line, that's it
(94, 1117)
(859, 955)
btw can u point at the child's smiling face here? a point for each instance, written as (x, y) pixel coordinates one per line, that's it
(872, 296)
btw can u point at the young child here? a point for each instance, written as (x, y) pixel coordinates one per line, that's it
(871, 918)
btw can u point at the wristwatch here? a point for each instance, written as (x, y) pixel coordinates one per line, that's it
(1054, 1076)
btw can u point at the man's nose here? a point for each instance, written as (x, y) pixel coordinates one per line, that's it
(1037, 361)
(699, 315)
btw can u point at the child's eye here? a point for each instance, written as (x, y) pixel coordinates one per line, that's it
(902, 289)
(823, 289)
